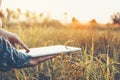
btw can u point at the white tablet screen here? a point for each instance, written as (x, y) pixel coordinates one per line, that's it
(48, 50)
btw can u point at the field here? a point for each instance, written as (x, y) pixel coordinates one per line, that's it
(98, 60)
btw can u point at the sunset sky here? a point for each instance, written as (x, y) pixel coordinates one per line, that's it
(83, 10)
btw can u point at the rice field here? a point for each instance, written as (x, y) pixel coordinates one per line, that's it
(98, 60)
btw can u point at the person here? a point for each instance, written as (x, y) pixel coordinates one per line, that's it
(9, 56)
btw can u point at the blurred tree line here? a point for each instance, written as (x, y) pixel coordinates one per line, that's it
(29, 18)
(10, 17)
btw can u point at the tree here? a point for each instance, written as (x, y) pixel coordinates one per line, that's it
(116, 18)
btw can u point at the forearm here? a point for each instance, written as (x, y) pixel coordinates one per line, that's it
(5, 33)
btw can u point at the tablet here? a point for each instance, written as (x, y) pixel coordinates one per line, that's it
(48, 50)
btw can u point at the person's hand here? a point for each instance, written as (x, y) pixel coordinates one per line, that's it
(13, 39)
(44, 58)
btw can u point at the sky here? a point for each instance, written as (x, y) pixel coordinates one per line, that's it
(83, 10)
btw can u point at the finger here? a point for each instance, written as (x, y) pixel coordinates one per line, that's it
(44, 58)
(50, 56)
(22, 44)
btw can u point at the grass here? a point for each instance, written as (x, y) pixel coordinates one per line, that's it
(98, 59)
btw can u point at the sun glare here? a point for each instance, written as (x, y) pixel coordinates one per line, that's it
(83, 10)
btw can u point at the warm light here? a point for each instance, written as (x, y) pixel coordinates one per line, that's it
(83, 10)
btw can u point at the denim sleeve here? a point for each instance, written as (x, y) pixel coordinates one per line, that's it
(10, 58)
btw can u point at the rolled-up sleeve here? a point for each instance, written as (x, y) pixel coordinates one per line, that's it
(10, 58)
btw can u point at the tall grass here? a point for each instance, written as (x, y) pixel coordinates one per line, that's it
(98, 59)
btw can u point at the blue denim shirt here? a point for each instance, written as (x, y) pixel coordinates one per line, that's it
(10, 58)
